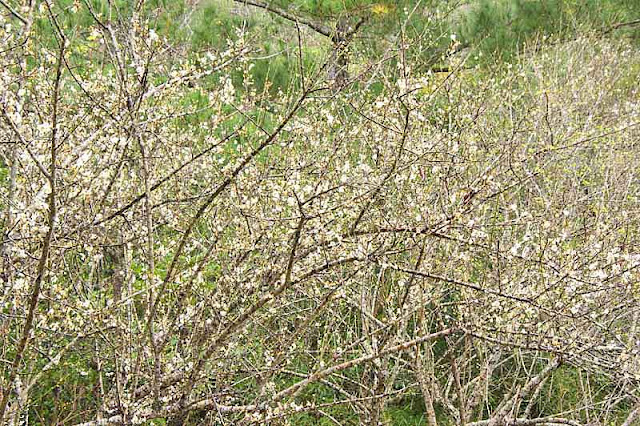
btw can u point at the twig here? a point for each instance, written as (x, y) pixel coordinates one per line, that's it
(46, 245)
(319, 28)
(622, 24)
(295, 388)
(13, 12)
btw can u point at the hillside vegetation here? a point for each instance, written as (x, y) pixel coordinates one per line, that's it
(320, 212)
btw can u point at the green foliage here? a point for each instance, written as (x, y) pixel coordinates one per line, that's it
(214, 24)
(407, 412)
(629, 81)
(569, 387)
(500, 28)
(68, 385)
(334, 7)
(4, 173)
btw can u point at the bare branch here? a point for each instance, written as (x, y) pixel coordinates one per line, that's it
(319, 28)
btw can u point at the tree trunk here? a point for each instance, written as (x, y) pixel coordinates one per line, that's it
(338, 68)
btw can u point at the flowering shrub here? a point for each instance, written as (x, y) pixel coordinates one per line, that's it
(177, 247)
